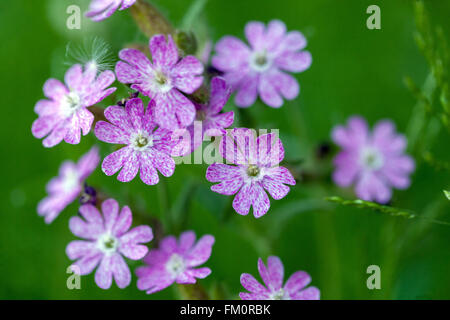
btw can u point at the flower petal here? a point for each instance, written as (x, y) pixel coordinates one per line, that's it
(251, 284)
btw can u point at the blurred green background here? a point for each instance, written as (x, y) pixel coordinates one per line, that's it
(354, 71)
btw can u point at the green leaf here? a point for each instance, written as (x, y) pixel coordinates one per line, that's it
(447, 194)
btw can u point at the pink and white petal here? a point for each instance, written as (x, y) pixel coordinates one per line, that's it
(255, 32)
(123, 223)
(164, 54)
(110, 210)
(84, 230)
(232, 53)
(270, 149)
(347, 168)
(311, 293)
(242, 201)
(128, 74)
(228, 187)
(43, 125)
(296, 282)
(73, 77)
(169, 244)
(264, 273)
(276, 272)
(130, 168)
(260, 200)
(184, 74)
(126, 4)
(200, 273)
(247, 91)
(276, 30)
(201, 251)
(148, 173)
(293, 41)
(164, 163)
(184, 107)
(104, 274)
(287, 85)
(91, 214)
(73, 134)
(134, 251)
(397, 171)
(371, 188)
(135, 111)
(154, 280)
(354, 135)
(57, 134)
(276, 189)
(119, 117)
(185, 278)
(294, 61)
(120, 270)
(104, 80)
(88, 263)
(114, 161)
(46, 107)
(387, 140)
(220, 93)
(106, 132)
(54, 89)
(140, 234)
(85, 120)
(268, 91)
(165, 112)
(79, 248)
(251, 284)
(220, 121)
(218, 172)
(246, 148)
(186, 241)
(282, 175)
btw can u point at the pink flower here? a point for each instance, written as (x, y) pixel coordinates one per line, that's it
(273, 275)
(209, 120)
(256, 168)
(375, 162)
(164, 80)
(107, 239)
(259, 69)
(175, 262)
(65, 188)
(146, 149)
(65, 115)
(102, 9)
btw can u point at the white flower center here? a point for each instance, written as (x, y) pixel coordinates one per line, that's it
(161, 82)
(371, 158)
(71, 103)
(175, 265)
(141, 141)
(70, 181)
(280, 295)
(107, 243)
(260, 61)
